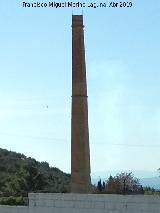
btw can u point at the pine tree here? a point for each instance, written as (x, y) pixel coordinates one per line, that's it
(99, 185)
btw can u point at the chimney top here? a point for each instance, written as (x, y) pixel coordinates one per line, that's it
(77, 21)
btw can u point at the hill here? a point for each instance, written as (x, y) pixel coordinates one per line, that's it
(151, 182)
(20, 174)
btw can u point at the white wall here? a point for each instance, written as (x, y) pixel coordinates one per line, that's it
(87, 203)
(14, 209)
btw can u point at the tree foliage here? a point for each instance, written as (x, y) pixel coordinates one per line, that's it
(99, 186)
(123, 183)
(20, 175)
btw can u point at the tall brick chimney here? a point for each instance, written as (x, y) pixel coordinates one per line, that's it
(80, 152)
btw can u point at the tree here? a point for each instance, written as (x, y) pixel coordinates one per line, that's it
(103, 185)
(123, 183)
(99, 186)
(111, 186)
(149, 189)
(27, 179)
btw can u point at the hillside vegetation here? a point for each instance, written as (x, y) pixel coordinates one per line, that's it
(20, 174)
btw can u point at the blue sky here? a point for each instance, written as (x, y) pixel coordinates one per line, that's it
(122, 60)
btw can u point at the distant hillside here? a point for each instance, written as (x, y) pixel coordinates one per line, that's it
(20, 174)
(152, 182)
(137, 173)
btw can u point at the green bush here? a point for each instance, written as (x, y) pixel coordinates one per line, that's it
(13, 201)
(151, 193)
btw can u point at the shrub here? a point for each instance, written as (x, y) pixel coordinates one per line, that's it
(13, 201)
